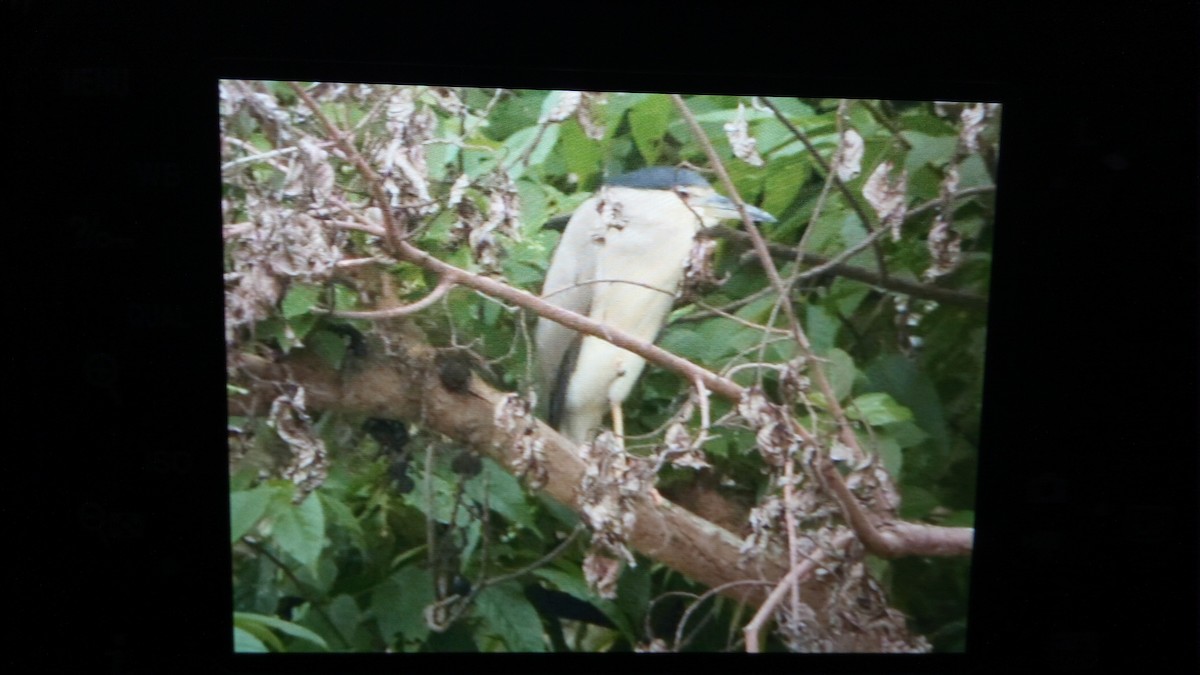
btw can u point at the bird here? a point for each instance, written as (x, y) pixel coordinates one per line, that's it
(620, 261)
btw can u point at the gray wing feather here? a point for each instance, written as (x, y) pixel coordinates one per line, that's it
(573, 264)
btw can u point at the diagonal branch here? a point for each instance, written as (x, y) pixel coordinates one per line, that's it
(760, 247)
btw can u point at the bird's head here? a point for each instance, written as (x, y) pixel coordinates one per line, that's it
(693, 189)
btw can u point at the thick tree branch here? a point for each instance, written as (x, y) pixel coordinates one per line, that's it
(409, 387)
(894, 539)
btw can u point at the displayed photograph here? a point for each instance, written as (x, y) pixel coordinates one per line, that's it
(515, 370)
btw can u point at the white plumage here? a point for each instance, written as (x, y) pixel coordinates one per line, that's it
(620, 261)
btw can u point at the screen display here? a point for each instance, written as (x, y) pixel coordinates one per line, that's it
(546, 370)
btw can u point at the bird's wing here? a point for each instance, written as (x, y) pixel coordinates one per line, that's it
(558, 389)
(573, 264)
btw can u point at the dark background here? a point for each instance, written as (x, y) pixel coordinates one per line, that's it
(1086, 547)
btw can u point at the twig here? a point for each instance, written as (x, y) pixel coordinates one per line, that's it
(737, 319)
(887, 123)
(767, 609)
(362, 262)
(824, 194)
(300, 586)
(391, 234)
(842, 257)
(680, 643)
(589, 282)
(544, 560)
(261, 157)
(443, 286)
(812, 149)
(916, 289)
(733, 305)
(705, 414)
(760, 247)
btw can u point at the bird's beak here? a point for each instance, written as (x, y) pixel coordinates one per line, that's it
(719, 206)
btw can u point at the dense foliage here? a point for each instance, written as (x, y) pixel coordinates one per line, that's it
(361, 549)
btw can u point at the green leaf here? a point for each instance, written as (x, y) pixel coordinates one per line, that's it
(935, 150)
(300, 530)
(724, 115)
(583, 155)
(243, 479)
(711, 340)
(877, 408)
(521, 143)
(916, 503)
(329, 346)
(507, 614)
(246, 508)
(300, 299)
(574, 585)
(840, 371)
(927, 123)
(758, 311)
(617, 105)
(245, 643)
(964, 518)
(344, 298)
(285, 627)
(565, 516)
(273, 328)
(522, 275)
(973, 172)
(900, 377)
(259, 631)
(822, 327)
(633, 592)
(648, 122)
(534, 201)
(302, 324)
(340, 515)
(889, 451)
(504, 494)
(907, 433)
(442, 502)
(685, 341)
(783, 183)
(398, 605)
(846, 295)
(346, 616)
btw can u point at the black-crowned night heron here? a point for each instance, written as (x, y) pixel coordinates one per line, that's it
(620, 262)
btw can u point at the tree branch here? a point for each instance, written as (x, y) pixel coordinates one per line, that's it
(443, 287)
(408, 386)
(945, 296)
(760, 247)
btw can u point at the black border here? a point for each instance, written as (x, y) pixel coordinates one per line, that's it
(1086, 554)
